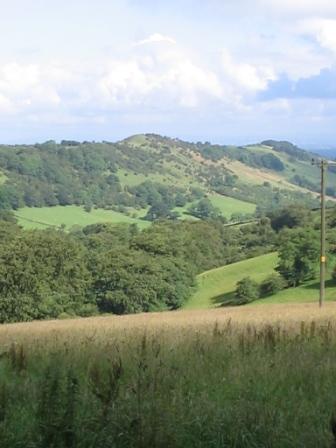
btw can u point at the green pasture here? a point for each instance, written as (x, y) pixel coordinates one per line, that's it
(228, 205)
(217, 286)
(71, 215)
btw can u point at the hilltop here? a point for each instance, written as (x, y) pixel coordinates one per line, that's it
(152, 177)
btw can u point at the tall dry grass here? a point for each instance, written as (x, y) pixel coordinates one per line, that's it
(243, 377)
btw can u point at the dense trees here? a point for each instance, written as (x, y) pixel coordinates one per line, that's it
(42, 274)
(204, 209)
(298, 255)
(89, 174)
(109, 268)
(291, 216)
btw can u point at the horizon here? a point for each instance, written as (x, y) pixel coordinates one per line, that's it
(321, 149)
(202, 72)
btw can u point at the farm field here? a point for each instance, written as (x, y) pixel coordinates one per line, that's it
(234, 377)
(71, 215)
(228, 205)
(217, 285)
(225, 204)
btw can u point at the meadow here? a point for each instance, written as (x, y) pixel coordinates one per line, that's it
(216, 286)
(236, 377)
(71, 215)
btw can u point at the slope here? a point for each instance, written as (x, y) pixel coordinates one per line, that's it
(131, 175)
(217, 285)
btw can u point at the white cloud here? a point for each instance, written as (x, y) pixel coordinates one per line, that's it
(23, 86)
(247, 76)
(302, 8)
(323, 30)
(155, 38)
(158, 77)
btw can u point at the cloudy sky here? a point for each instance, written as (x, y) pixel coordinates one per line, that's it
(230, 71)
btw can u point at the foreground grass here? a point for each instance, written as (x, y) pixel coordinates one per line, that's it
(44, 217)
(249, 377)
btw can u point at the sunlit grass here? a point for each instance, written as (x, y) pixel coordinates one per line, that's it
(44, 217)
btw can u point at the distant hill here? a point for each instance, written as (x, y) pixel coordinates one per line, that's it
(150, 176)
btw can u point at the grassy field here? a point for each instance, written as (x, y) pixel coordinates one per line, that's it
(217, 285)
(228, 205)
(44, 217)
(246, 377)
(225, 204)
(71, 215)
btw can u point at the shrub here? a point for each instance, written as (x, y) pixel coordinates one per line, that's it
(271, 285)
(247, 290)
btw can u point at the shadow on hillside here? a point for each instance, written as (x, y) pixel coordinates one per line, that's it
(226, 299)
(229, 299)
(316, 285)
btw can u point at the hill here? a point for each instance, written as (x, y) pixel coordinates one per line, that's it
(216, 286)
(131, 176)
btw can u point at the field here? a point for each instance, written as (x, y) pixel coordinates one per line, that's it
(236, 377)
(225, 204)
(71, 215)
(228, 205)
(216, 286)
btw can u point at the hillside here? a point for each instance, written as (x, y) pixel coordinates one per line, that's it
(216, 286)
(153, 177)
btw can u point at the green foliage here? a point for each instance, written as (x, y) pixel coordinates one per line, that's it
(160, 210)
(114, 268)
(271, 285)
(298, 255)
(292, 216)
(288, 148)
(247, 290)
(163, 170)
(42, 274)
(204, 209)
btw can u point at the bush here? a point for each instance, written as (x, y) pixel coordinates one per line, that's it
(271, 285)
(247, 290)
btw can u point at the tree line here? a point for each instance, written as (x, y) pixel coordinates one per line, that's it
(106, 268)
(297, 243)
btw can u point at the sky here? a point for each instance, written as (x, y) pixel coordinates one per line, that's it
(225, 71)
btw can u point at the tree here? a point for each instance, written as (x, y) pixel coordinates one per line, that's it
(298, 255)
(43, 271)
(292, 216)
(204, 209)
(247, 290)
(160, 210)
(271, 285)
(132, 281)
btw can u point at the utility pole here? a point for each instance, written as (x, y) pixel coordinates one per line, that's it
(323, 165)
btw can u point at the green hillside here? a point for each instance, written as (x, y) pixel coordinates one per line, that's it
(217, 285)
(149, 170)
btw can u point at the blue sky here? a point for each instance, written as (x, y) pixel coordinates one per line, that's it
(229, 71)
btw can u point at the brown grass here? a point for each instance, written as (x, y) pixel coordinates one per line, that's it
(289, 316)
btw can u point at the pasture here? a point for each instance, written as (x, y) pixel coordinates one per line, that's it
(235, 377)
(71, 215)
(217, 286)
